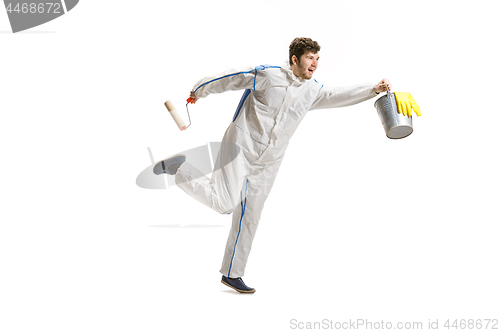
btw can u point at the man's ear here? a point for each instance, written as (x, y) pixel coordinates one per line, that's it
(294, 60)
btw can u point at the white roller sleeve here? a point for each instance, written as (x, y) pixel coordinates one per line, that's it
(175, 115)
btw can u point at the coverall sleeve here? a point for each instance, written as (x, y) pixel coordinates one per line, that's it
(329, 97)
(225, 81)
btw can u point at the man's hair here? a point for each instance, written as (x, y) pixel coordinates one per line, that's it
(300, 45)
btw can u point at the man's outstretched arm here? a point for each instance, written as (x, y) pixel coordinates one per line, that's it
(225, 81)
(330, 97)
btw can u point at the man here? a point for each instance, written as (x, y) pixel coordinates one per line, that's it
(273, 104)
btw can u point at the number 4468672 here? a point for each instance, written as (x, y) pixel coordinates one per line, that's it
(33, 8)
(472, 324)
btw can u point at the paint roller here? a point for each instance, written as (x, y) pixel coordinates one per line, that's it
(177, 118)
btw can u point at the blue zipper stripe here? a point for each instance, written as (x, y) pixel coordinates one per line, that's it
(242, 101)
(222, 77)
(322, 85)
(239, 230)
(261, 67)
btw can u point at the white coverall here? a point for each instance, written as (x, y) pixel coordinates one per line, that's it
(272, 106)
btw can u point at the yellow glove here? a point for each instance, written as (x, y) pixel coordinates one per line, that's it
(406, 102)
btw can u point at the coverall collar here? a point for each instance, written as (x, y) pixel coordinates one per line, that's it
(292, 76)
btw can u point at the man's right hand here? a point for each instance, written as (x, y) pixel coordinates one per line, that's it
(192, 98)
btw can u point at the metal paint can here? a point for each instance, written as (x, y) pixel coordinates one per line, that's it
(396, 125)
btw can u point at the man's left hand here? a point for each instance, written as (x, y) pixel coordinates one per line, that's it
(382, 86)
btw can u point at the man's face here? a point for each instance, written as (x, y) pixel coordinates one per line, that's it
(307, 65)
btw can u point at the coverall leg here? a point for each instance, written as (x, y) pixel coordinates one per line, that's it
(221, 192)
(246, 216)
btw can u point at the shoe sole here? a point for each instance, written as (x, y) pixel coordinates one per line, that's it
(163, 161)
(238, 290)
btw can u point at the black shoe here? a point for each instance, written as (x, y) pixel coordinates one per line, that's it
(169, 165)
(237, 284)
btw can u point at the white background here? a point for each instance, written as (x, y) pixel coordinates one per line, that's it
(357, 226)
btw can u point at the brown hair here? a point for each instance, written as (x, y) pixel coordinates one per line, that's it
(300, 45)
